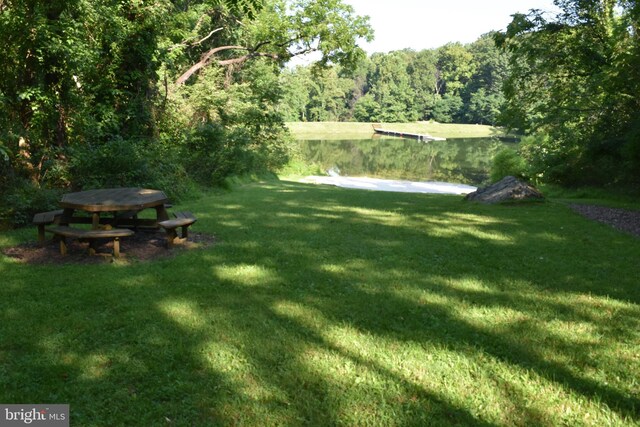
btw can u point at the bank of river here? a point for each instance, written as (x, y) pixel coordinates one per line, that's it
(400, 186)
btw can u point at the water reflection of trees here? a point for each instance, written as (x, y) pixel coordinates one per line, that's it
(464, 160)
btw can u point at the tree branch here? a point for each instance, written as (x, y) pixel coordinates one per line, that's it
(208, 35)
(205, 59)
(244, 58)
(303, 52)
(186, 43)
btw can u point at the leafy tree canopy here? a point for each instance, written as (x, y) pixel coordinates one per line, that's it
(93, 82)
(575, 76)
(281, 30)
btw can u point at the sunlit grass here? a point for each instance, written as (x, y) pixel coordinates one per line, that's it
(326, 306)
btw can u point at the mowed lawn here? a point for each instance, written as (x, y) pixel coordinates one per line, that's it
(326, 306)
(359, 130)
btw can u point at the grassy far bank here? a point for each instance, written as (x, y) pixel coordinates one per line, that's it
(327, 306)
(345, 130)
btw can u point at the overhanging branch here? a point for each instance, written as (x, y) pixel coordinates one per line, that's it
(205, 59)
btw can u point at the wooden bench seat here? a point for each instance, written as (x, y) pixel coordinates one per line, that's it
(184, 220)
(90, 235)
(46, 218)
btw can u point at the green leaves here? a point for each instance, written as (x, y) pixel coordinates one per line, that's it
(507, 162)
(325, 26)
(92, 76)
(571, 77)
(250, 8)
(4, 152)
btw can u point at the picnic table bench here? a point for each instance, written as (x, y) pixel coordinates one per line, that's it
(46, 218)
(183, 220)
(63, 232)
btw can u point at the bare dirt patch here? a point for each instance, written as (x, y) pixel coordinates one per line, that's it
(142, 246)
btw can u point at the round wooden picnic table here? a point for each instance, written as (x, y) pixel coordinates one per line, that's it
(113, 200)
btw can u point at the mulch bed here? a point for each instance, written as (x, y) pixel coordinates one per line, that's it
(621, 219)
(142, 246)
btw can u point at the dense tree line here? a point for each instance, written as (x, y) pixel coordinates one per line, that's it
(454, 83)
(574, 86)
(158, 93)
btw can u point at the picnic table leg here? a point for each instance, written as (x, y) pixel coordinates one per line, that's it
(63, 245)
(116, 247)
(95, 220)
(41, 234)
(67, 214)
(172, 235)
(161, 213)
(92, 247)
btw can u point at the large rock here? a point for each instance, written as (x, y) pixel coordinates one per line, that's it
(508, 189)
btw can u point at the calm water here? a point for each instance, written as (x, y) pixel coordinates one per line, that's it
(462, 160)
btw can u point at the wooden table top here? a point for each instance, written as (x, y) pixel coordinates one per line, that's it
(114, 199)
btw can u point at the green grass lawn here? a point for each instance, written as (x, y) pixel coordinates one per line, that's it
(327, 306)
(347, 130)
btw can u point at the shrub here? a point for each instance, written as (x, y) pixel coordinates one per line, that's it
(508, 162)
(121, 163)
(213, 153)
(24, 199)
(116, 163)
(558, 159)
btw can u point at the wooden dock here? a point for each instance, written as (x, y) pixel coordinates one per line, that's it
(418, 136)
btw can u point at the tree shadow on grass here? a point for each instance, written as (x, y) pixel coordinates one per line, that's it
(506, 344)
(275, 324)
